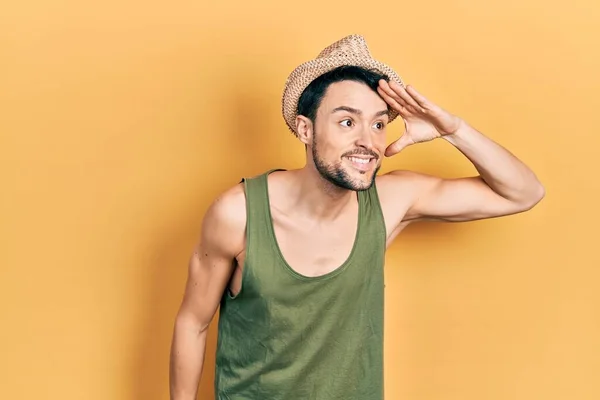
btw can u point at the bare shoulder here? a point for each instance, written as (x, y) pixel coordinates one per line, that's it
(402, 178)
(404, 181)
(398, 190)
(403, 185)
(224, 223)
(212, 262)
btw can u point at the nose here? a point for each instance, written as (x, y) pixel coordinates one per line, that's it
(365, 139)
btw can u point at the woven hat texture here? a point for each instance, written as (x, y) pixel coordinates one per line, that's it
(350, 50)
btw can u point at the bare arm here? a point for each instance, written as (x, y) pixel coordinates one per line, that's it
(210, 268)
(505, 185)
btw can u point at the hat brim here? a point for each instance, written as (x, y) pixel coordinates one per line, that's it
(307, 72)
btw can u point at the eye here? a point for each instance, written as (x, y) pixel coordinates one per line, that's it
(380, 125)
(346, 123)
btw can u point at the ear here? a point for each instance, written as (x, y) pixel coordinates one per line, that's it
(304, 129)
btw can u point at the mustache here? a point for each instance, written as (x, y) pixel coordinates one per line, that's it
(362, 152)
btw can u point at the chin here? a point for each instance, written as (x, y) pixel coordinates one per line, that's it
(364, 181)
(347, 173)
(351, 179)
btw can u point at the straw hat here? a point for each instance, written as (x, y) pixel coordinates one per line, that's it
(350, 50)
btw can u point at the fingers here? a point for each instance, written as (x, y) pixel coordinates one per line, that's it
(418, 97)
(413, 105)
(398, 93)
(394, 101)
(388, 93)
(408, 96)
(399, 145)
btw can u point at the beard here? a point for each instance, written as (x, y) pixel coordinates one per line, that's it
(336, 174)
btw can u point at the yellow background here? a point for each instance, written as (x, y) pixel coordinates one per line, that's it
(120, 123)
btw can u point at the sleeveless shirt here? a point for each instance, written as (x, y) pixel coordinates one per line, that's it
(286, 336)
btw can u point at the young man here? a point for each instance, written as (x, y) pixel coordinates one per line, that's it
(295, 258)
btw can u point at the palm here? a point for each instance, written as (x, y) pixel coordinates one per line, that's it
(419, 130)
(423, 120)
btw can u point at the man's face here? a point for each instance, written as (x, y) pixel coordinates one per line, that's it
(349, 135)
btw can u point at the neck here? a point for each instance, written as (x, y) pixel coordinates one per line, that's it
(316, 197)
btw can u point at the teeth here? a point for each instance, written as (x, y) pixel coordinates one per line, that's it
(360, 160)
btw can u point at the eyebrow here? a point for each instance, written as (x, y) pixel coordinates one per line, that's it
(356, 111)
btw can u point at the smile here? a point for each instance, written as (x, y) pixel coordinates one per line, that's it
(360, 160)
(361, 163)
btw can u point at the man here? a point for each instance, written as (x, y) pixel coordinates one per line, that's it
(295, 258)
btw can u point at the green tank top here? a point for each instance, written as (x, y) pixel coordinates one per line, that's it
(286, 336)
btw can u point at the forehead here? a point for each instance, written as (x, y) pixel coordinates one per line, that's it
(352, 94)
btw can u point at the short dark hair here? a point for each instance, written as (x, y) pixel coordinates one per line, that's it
(311, 98)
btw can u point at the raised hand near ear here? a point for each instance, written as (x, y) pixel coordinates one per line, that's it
(423, 120)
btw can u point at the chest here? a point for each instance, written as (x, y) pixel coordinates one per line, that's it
(313, 249)
(310, 250)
